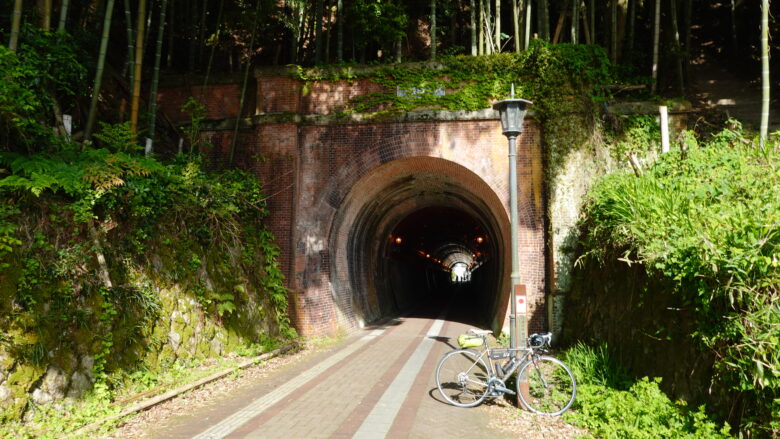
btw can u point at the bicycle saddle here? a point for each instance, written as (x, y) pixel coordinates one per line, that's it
(474, 331)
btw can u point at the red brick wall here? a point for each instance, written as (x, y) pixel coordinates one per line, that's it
(317, 177)
(221, 101)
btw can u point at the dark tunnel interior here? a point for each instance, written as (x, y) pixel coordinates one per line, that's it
(441, 258)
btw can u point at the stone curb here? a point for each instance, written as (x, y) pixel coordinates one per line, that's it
(178, 391)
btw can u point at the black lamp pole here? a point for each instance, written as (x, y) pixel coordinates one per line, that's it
(512, 114)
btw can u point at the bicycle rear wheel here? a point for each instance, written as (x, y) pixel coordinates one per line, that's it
(462, 378)
(546, 386)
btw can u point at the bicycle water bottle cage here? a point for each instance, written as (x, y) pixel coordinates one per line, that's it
(469, 341)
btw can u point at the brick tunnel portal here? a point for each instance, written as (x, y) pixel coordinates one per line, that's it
(422, 234)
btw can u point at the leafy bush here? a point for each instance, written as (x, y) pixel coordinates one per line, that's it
(33, 81)
(611, 405)
(706, 222)
(80, 207)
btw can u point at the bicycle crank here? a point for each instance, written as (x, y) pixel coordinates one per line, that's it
(497, 388)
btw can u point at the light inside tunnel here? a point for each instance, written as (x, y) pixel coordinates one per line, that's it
(442, 256)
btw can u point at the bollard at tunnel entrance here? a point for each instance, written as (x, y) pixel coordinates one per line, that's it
(521, 329)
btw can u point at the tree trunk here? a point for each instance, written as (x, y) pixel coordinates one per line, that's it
(472, 22)
(764, 73)
(734, 39)
(63, 15)
(586, 26)
(243, 86)
(433, 29)
(129, 63)
(156, 76)
(169, 54)
(213, 50)
(613, 31)
(193, 27)
(561, 20)
(202, 33)
(631, 26)
(99, 72)
(687, 24)
(340, 31)
(16, 23)
(481, 27)
(677, 49)
(46, 15)
(516, 8)
(328, 29)
(527, 25)
(575, 21)
(139, 47)
(488, 30)
(656, 39)
(498, 26)
(543, 18)
(318, 32)
(592, 20)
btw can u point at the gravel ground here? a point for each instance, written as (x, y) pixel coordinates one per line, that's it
(507, 417)
(137, 426)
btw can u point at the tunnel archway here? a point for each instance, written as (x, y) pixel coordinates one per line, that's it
(401, 230)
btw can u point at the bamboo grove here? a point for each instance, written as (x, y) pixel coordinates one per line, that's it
(137, 39)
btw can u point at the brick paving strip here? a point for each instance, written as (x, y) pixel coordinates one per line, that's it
(381, 418)
(259, 405)
(253, 424)
(350, 425)
(402, 425)
(377, 410)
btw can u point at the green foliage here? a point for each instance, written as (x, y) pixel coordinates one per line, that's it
(550, 75)
(612, 405)
(706, 223)
(197, 113)
(118, 138)
(80, 206)
(378, 21)
(33, 81)
(636, 134)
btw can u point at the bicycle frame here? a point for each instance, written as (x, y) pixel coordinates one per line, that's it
(495, 364)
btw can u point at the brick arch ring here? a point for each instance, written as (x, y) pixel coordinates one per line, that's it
(368, 195)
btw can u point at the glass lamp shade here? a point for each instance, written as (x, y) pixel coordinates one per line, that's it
(512, 113)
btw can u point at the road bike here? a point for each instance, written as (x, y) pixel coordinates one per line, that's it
(465, 377)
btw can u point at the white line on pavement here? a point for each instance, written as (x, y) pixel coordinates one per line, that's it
(377, 424)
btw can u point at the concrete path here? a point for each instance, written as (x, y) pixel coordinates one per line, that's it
(378, 383)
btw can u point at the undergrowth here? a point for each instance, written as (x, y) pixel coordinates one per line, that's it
(610, 404)
(705, 222)
(70, 415)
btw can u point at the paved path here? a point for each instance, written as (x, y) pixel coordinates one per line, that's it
(378, 383)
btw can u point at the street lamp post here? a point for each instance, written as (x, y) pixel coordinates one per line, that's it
(512, 114)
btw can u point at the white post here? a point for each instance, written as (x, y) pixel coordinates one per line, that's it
(148, 148)
(67, 122)
(664, 129)
(181, 145)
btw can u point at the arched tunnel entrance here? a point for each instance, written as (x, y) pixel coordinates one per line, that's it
(422, 234)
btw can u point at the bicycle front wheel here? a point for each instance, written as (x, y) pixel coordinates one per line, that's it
(462, 378)
(546, 386)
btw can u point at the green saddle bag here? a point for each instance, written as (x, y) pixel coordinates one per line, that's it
(469, 341)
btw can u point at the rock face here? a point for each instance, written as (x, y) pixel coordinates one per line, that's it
(649, 332)
(181, 329)
(53, 387)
